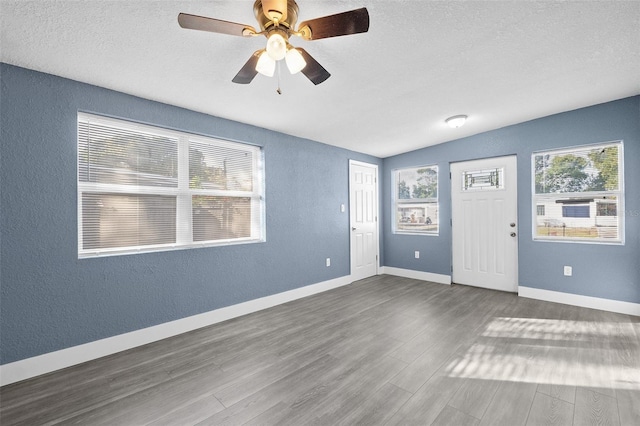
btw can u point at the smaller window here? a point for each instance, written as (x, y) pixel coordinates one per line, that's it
(575, 211)
(607, 209)
(416, 200)
(540, 209)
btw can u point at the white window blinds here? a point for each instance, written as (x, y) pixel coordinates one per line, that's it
(142, 188)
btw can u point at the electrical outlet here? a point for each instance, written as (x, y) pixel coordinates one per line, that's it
(328, 261)
(568, 271)
(417, 254)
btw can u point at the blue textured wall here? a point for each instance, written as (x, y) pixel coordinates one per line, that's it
(605, 271)
(50, 300)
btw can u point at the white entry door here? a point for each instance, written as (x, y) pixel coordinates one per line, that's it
(484, 223)
(363, 211)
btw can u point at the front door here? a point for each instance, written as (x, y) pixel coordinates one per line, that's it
(484, 223)
(363, 211)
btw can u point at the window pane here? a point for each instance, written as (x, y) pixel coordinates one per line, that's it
(220, 167)
(578, 221)
(108, 154)
(417, 217)
(417, 183)
(117, 220)
(577, 170)
(221, 218)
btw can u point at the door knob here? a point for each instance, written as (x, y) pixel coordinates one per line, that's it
(513, 225)
(353, 228)
(513, 234)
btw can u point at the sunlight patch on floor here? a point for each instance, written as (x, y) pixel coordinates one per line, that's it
(548, 351)
(540, 328)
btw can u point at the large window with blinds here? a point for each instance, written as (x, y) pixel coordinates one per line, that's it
(142, 188)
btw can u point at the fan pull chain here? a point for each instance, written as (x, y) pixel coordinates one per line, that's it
(278, 89)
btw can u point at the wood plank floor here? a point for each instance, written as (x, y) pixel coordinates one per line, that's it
(381, 351)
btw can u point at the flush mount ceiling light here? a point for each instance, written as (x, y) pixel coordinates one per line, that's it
(456, 121)
(277, 20)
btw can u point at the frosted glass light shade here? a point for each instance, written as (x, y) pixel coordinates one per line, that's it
(456, 121)
(276, 47)
(295, 61)
(266, 65)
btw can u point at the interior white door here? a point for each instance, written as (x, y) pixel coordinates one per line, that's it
(484, 223)
(363, 213)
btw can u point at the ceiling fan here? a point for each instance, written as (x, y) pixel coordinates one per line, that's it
(277, 20)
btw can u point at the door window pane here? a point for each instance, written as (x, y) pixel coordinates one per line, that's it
(482, 180)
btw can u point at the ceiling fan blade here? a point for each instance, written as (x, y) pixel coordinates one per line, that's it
(345, 23)
(313, 70)
(248, 71)
(201, 23)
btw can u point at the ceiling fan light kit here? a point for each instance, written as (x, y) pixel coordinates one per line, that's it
(277, 20)
(295, 61)
(266, 65)
(276, 46)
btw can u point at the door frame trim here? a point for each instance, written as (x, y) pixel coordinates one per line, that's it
(377, 209)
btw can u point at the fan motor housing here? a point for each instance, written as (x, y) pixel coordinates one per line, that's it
(266, 23)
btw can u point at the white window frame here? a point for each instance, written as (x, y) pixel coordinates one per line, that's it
(549, 198)
(398, 202)
(183, 194)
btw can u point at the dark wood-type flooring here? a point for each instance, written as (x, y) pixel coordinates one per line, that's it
(385, 350)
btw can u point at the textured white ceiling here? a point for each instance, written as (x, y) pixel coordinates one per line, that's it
(500, 62)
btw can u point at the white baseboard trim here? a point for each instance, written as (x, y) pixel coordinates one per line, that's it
(416, 275)
(52, 361)
(617, 306)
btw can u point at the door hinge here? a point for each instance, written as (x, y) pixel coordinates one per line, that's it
(449, 175)
(451, 222)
